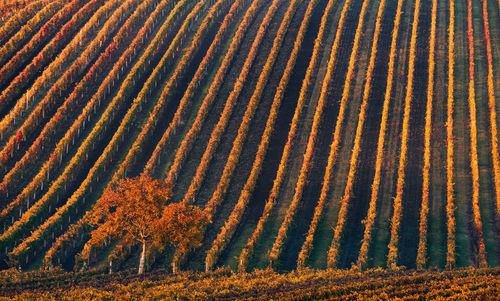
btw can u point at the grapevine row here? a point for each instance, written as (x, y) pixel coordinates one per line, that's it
(174, 80)
(392, 257)
(252, 241)
(424, 210)
(229, 227)
(126, 88)
(228, 108)
(51, 126)
(481, 260)
(18, 84)
(225, 116)
(115, 106)
(307, 161)
(34, 25)
(492, 106)
(308, 244)
(332, 158)
(21, 17)
(207, 102)
(450, 197)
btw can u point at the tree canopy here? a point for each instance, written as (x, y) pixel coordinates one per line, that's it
(135, 211)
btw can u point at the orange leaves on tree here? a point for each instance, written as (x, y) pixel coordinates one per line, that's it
(183, 226)
(133, 209)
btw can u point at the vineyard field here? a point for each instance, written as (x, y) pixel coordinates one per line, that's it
(316, 134)
(259, 285)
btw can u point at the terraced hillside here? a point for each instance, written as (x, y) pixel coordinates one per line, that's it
(315, 133)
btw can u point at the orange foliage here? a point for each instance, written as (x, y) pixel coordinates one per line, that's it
(450, 201)
(271, 202)
(219, 129)
(231, 224)
(132, 207)
(202, 113)
(372, 210)
(134, 210)
(184, 226)
(481, 260)
(492, 105)
(307, 161)
(424, 211)
(392, 257)
(342, 215)
(173, 81)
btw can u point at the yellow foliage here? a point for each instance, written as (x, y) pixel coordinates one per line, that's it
(202, 113)
(392, 257)
(344, 207)
(372, 210)
(230, 226)
(424, 211)
(173, 81)
(307, 161)
(481, 260)
(450, 202)
(219, 129)
(492, 106)
(271, 202)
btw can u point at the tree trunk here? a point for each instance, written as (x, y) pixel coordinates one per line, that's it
(143, 258)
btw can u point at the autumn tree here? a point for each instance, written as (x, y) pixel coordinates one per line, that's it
(183, 227)
(134, 211)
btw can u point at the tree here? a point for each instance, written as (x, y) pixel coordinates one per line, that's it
(183, 226)
(134, 211)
